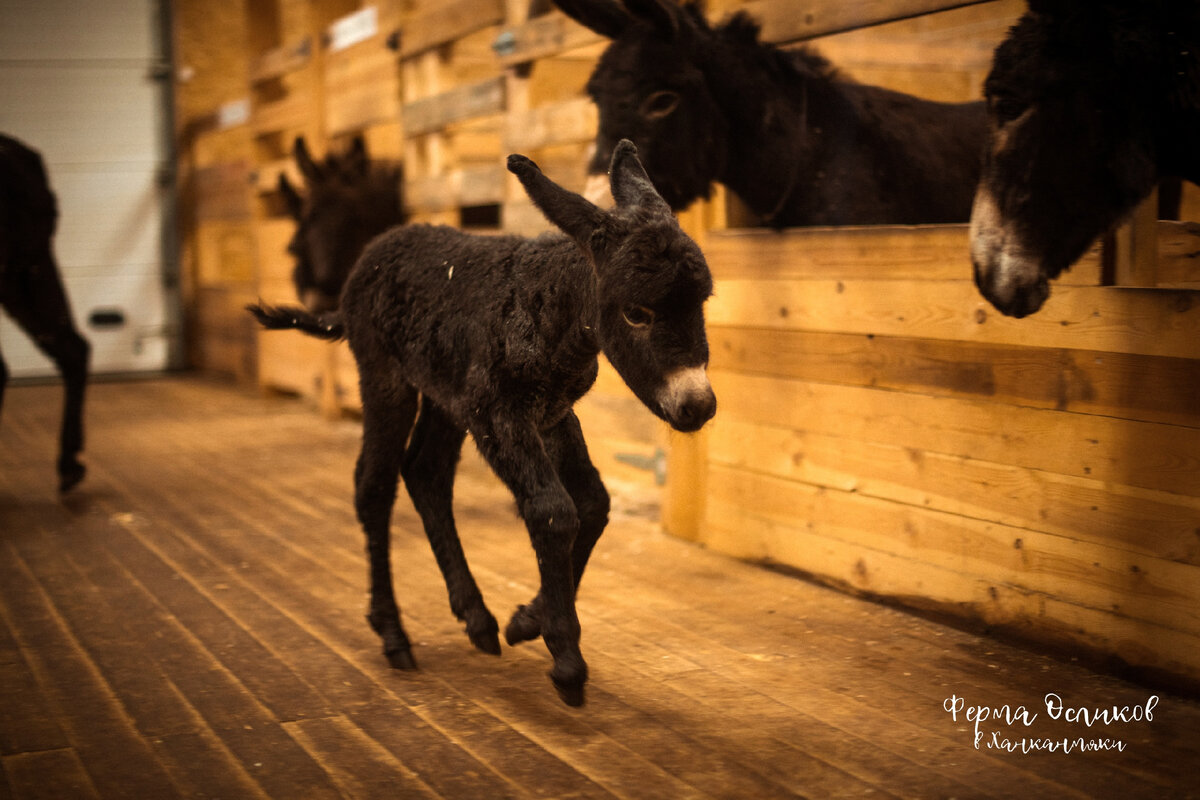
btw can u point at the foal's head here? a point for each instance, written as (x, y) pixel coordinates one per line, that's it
(651, 284)
(1072, 146)
(349, 201)
(650, 87)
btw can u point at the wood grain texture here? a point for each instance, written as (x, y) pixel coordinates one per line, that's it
(189, 623)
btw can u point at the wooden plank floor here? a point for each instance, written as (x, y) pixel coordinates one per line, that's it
(189, 623)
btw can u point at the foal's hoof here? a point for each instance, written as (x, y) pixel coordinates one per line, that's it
(69, 475)
(484, 633)
(525, 626)
(401, 659)
(569, 682)
(571, 695)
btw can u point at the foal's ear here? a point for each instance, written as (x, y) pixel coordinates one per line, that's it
(605, 17)
(304, 160)
(631, 186)
(356, 160)
(291, 198)
(577, 217)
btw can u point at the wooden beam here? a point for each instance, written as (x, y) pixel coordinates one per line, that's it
(790, 20)
(1119, 385)
(782, 21)
(281, 60)
(1178, 255)
(918, 252)
(1141, 454)
(223, 191)
(472, 186)
(431, 114)
(447, 23)
(541, 37)
(1152, 524)
(1134, 249)
(1162, 323)
(572, 121)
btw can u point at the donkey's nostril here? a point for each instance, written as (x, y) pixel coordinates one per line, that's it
(696, 411)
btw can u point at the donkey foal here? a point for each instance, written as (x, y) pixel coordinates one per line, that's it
(498, 337)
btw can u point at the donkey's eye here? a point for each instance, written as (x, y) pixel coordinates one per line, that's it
(659, 104)
(639, 316)
(1006, 107)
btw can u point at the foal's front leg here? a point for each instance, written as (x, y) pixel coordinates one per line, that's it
(517, 454)
(568, 452)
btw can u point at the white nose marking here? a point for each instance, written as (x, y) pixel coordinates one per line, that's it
(682, 385)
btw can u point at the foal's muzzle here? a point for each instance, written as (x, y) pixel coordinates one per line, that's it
(687, 400)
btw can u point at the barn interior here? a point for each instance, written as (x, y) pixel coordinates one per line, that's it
(921, 547)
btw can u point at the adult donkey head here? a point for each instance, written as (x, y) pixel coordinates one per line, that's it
(349, 200)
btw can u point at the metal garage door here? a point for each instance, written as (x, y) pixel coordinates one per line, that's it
(81, 82)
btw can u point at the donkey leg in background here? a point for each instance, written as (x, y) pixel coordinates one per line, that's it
(388, 412)
(518, 456)
(568, 451)
(38, 304)
(428, 471)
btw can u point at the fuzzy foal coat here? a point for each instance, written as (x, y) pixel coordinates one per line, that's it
(499, 337)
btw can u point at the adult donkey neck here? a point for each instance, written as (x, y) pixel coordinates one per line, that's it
(770, 99)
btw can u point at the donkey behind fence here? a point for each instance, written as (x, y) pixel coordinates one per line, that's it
(349, 200)
(31, 290)
(797, 141)
(498, 336)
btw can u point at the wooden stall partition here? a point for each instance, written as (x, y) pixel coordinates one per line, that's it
(214, 168)
(453, 105)
(882, 428)
(361, 93)
(298, 60)
(284, 103)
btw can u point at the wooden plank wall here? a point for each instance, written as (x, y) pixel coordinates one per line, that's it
(881, 427)
(215, 161)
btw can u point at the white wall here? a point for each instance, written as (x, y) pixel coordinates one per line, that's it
(77, 83)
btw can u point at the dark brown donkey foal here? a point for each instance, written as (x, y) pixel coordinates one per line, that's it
(31, 290)
(498, 336)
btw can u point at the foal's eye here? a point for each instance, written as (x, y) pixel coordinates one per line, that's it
(639, 316)
(659, 104)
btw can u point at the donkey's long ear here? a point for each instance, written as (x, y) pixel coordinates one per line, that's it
(356, 160)
(605, 17)
(308, 167)
(631, 186)
(291, 198)
(577, 217)
(667, 15)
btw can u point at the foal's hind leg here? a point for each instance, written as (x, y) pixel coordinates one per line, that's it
(428, 472)
(38, 303)
(388, 412)
(567, 450)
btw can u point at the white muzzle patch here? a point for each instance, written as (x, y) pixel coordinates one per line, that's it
(684, 387)
(1003, 266)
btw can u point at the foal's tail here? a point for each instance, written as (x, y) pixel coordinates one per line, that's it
(323, 326)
